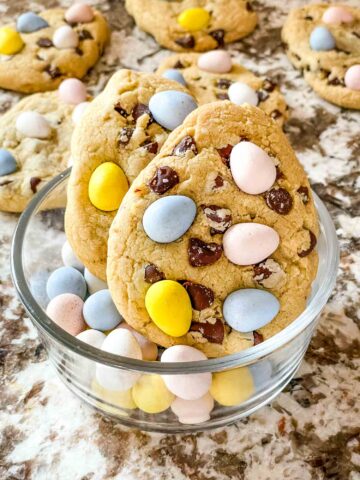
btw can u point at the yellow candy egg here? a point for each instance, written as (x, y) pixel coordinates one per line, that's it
(232, 387)
(10, 41)
(193, 19)
(151, 395)
(107, 187)
(169, 307)
(121, 399)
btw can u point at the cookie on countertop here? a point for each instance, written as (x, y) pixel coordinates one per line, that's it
(224, 209)
(43, 49)
(324, 42)
(188, 25)
(208, 77)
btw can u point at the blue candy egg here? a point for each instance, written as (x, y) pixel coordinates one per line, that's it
(168, 218)
(321, 39)
(248, 309)
(173, 74)
(170, 108)
(100, 312)
(261, 373)
(7, 162)
(30, 22)
(66, 280)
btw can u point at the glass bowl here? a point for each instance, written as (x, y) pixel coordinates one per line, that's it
(245, 381)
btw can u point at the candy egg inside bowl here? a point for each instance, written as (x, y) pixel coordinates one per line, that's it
(145, 394)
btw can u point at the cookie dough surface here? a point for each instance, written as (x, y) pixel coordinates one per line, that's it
(40, 66)
(209, 87)
(205, 177)
(229, 21)
(324, 70)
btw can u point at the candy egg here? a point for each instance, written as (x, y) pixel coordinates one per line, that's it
(107, 187)
(120, 342)
(189, 386)
(252, 169)
(92, 337)
(193, 411)
(149, 349)
(94, 284)
(170, 108)
(240, 93)
(173, 74)
(321, 39)
(169, 218)
(72, 91)
(248, 309)
(261, 373)
(122, 399)
(352, 77)
(232, 387)
(249, 243)
(79, 111)
(193, 19)
(83, 367)
(65, 37)
(66, 311)
(79, 13)
(66, 280)
(33, 125)
(336, 15)
(100, 311)
(69, 258)
(151, 395)
(30, 22)
(169, 307)
(7, 162)
(10, 41)
(217, 61)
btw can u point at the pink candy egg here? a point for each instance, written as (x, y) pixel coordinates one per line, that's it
(217, 61)
(352, 77)
(336, 15)
(79, 13)
(72, 91)
(149, 349)
(193, 411)
(66, 311)
(249, 243)
(252, 169)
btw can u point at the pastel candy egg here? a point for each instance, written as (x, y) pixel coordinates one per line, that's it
(321, 39)
(107, 187)
(120, 342)
(65, 37)
(79, 111)
(33, 125)
(122, 399)
(149, 349)
(216, 61)
(193, 19)
(169, 307)
(84, 368)
(352, 77)
(173, 74)
(7, 162)
(252, 169)
(232, 387)
(92, 337)
(94, 283)
(66, 311)
(337, 15)
(69, 258)
(169, 218)
(100, 311)
(240, 93)
(189, 386)
(30, 22)
(193, 411)
(170, 108)
(66, 280)
(248, 309)
(79, 13)
(72, 91)
(10, 41)
(151, 395)
(261, 373)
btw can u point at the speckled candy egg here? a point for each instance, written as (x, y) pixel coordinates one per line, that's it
(92, 337)
(232, 387)
(321, 39)
(30, 22)
(100, 311)
(94, 283)
(107, 186)
(33, 125)
(66, 311)
(7, 162)
(151, 395)
(79, 13)
(66, 280)
(65, 37)
(174, 74)
(79, 111)
(72, 91)
(170, 108)
(352, 78)
(149, 349)
(193, 411)
(122, 399)
(10, 41)
(83, 367)
(240, 93)
(216, 61)
(261, 373)
(336, 15)
(69, 258)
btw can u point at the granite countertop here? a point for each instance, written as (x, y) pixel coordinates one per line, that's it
(312, 430)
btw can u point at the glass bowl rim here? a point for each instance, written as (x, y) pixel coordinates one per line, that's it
(235, 360)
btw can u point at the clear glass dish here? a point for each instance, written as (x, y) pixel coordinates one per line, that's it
(36, 252)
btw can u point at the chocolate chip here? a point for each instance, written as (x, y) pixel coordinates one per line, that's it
(201, 253)
(268, 85)
(309, 17)
(125, 135)
(275, 114)
(54, 72)
(178, 64)
(151, 147)
(45, 42)
(153, 274)
(34, 182)
(356, 34)
(218, 182)
(249, 7)
(279, 173)
(119, 109)
(262, 95)
(223, 83)
(225, 154)
(218, 36)
(201, 297)
(313, 242)
(141, 109)
(164, 179)
(85, 35)
(258, 338)
(279, 200)
(213, 332)
(6, 182)
(336, 82)
(222, 96)
(187, 143)
(187, 41)
(218, 218)
(79, 52)
(304, 194)
(261, 272)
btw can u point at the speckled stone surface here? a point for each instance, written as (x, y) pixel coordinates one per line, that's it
(312, 430)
